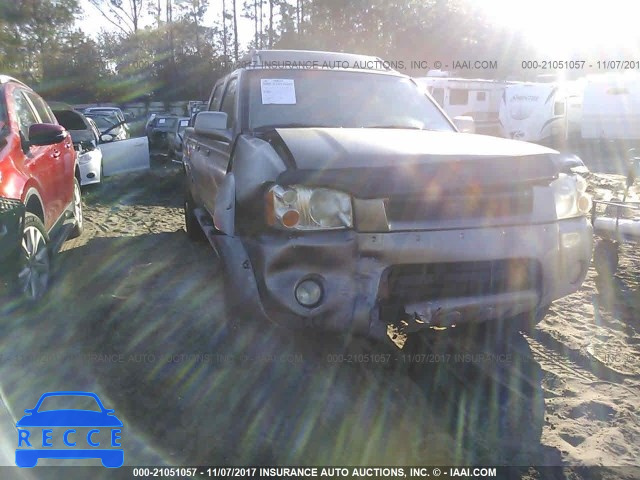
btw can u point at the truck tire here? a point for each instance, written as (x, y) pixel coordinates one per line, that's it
(527, 322)
(605, 258)
(192, 226)
(77, 210)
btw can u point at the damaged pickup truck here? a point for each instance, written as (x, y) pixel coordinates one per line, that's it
(341, 197)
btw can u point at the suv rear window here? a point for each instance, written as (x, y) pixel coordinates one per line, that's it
(70, 120)
(332, 98)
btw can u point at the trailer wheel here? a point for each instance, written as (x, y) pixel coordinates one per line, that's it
(605, 257)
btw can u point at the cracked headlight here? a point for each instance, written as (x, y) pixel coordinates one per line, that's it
(298, 207)
(571, 199)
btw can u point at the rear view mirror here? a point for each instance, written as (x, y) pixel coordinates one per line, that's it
(212, 124)
(465, 124)
(46, 134)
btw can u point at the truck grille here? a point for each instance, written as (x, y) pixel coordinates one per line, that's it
(463, 205)
(421, 282)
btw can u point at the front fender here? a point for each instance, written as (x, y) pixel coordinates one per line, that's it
(225, 206)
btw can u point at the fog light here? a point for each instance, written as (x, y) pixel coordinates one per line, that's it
(308, 293)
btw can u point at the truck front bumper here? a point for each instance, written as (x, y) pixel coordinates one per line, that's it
(441, 277)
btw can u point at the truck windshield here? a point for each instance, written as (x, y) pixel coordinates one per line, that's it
(333, 98)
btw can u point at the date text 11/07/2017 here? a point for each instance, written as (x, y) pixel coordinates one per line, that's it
(580, 64)
(308, 472)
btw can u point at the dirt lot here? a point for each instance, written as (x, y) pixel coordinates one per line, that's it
(136, 315)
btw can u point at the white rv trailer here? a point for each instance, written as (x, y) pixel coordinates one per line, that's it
(611, 107)
(546, 113)
(476, 98)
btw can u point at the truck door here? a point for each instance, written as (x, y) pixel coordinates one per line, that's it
(195, 157)
(215, 154)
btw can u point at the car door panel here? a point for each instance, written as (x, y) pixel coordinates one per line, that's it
(215, 155)
(125, 156)
(40, 164)
(63, 154)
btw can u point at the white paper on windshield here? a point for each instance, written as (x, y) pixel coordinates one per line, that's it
(278, 91)
(161, 120)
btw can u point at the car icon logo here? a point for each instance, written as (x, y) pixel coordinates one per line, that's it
(69, 433)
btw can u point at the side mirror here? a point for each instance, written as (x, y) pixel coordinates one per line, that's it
(46, 134)
(214, 125)
(464, 124)
(106, 138)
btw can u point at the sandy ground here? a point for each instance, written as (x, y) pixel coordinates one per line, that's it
(136, 315)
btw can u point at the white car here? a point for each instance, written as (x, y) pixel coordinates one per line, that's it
(86, 137)
(90, 161)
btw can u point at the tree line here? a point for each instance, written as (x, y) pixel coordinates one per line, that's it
(165, 50)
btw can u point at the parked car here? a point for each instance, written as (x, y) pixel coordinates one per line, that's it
(175, 138)
(107, 111)
(86, 137)
(41, 204)
(110, 124)
(344, 199)
(158, 132)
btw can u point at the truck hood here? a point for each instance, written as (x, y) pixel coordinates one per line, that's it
(371, 162)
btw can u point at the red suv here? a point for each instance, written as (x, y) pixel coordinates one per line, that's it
(40, 201)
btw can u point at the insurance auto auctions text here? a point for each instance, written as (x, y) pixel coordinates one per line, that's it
(372, 472)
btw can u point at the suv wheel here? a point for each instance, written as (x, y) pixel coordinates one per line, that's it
(34, 267)
(77, 210)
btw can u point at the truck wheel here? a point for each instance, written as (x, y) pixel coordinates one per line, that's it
(605, 258)
(194, 231)
(34, 265)
(527, 322)
(77, 210)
